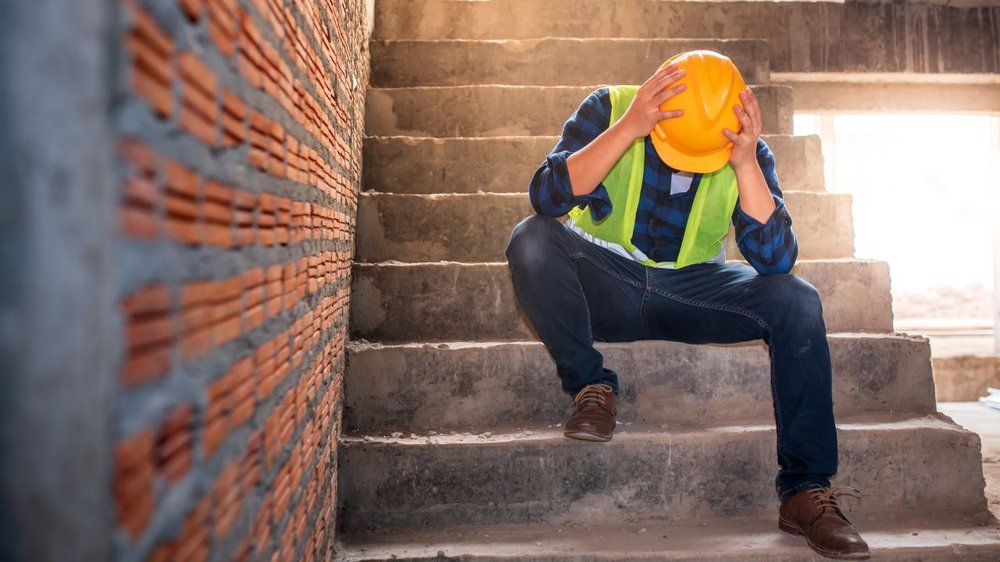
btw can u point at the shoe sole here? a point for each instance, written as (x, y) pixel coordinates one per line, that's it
(584, 436)
(793, 529)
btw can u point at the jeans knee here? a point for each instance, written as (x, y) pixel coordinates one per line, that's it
(532, 242)
(796, 297)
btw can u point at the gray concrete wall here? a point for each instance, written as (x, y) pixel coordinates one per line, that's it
(57, 224)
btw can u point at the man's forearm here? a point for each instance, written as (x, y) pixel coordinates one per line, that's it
(755, 197)
(588, 166)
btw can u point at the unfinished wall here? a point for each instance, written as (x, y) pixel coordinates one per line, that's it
(241, 131)
(176, 241)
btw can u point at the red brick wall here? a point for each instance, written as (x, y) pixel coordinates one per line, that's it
(241, 126)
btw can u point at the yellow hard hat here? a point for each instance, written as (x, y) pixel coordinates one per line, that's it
(694, 141)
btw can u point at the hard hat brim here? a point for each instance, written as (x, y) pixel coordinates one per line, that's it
(700, 164)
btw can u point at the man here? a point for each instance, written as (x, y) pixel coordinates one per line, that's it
(642, 257)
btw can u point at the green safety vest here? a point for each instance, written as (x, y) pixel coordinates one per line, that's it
(710, 215)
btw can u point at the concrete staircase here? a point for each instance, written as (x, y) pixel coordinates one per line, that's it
(451, 445)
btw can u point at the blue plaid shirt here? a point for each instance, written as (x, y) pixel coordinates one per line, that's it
(662, 214)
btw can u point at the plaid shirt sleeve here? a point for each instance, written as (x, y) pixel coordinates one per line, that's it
(550, 190)
(770, 247)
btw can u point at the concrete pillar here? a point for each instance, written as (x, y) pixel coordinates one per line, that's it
(57, 313)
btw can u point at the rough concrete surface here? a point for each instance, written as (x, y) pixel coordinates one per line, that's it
(834, 94)
(515, 476)
(803, 36)
(58, 317)
(479, 386)
(475, 227)
(448, 301)
(490, 111)
(547, 61)
(506, 164)
(986, 422)
(652, 539)
(965, 378)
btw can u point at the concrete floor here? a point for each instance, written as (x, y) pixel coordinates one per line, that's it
(986, 422)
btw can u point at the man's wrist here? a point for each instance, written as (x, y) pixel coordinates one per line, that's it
(751, 166)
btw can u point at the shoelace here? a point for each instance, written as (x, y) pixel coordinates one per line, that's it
(591, 395)
(827, 497)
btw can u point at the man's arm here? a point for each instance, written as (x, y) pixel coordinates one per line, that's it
(588, 167)
(755, 198)
(763, 226)
(770, 246)
(571, 175)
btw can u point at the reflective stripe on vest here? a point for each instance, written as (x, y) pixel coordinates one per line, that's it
(711, 210)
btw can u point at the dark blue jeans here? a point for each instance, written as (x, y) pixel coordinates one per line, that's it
(575, 292)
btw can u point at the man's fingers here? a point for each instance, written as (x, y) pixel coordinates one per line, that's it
(743, 117)
(668, 93)
(671, 114)
(733, 137)
(666, 70)
(752, 105)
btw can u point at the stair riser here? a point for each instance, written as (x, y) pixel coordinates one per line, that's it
(491, 111)
(680, 476)
(797, 553)
(475, 228)
(506, 165)
(546, 62)
(480, 387)
(462, 302)
(807, 37)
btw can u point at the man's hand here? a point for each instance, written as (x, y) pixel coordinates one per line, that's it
(644, 113)
(745, 142)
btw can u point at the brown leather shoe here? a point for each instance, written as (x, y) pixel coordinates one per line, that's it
(593, 417)
(814, 513)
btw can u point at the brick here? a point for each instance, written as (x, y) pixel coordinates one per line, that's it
(182, 208)
(227, 331)
(153, 298)
(191, 8)
(197, 292)
(139, 223)
(180, 179)
(197, 73)
(214, 191)
(143, 366)
(202, 105)
(184, 230)
(230, 288)
(140, 156)
(146, 29)
(147, 60)
(196, 343)
(145, 332)
(177, 466)
(222, 24)
(214, 434)
(156, 93)
(198, 127)
(134, 493)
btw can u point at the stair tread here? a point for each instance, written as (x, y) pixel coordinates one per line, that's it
(356, 345)
(742, 538)
(625, 433)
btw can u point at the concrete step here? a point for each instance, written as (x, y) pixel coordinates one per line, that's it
(492, 111)
(653, 539)
(475, 227)
(926, 466)
(803, 37)
(506, 164)
(476, 386)
(546, 62)
(448, 301)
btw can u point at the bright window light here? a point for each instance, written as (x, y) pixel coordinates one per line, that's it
(925, 200)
